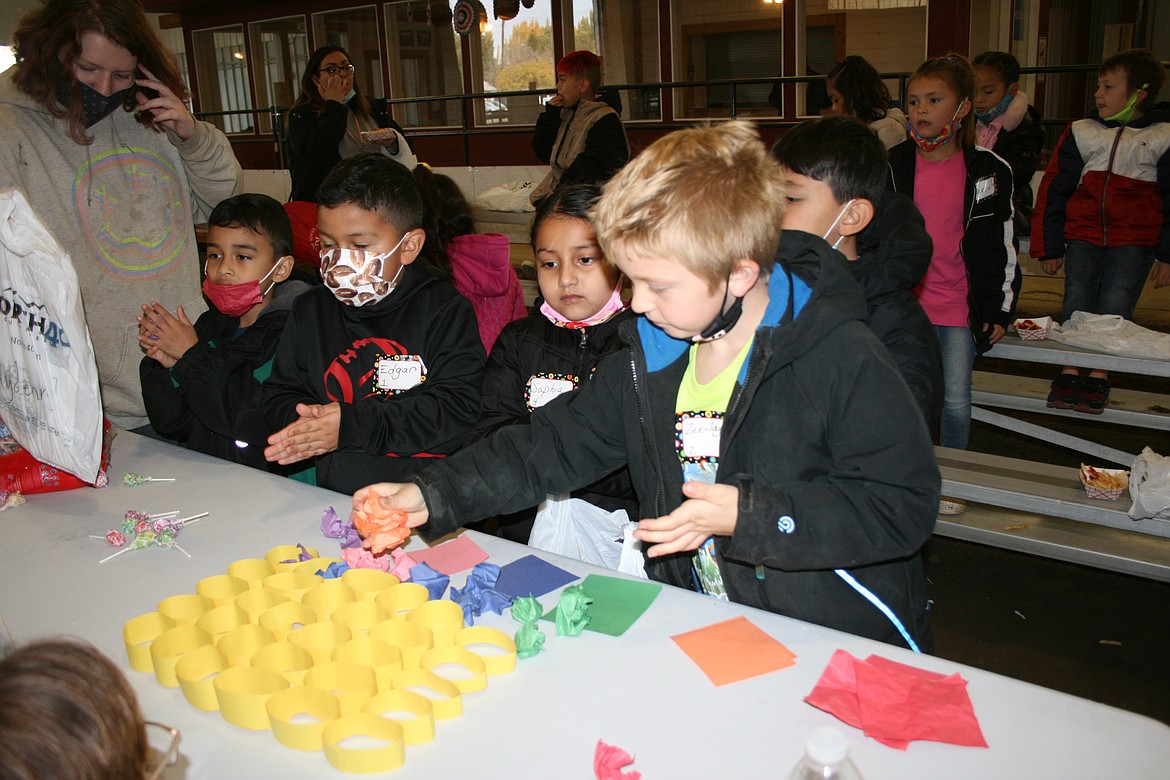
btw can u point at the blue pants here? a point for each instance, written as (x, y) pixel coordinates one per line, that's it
(958, 360)
(1104, 280)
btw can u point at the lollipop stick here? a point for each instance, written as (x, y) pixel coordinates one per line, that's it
(163, 514)
(160, 479)
(180, 549)
(188, 520)
(115, 555)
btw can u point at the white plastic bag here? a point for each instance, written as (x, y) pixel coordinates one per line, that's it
(1149, 486)
(49, 393)
(1112, 334)
(510, 196)
(574, 528)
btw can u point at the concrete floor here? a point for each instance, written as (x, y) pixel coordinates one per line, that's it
(1095, 634)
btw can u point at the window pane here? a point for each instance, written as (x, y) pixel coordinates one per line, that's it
(516, 54)
(727, 41)
(356, 31)
(279, 54)
(625, 34)
(425, 61)
(223, 77)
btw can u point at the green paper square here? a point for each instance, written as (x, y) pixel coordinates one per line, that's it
(617, 603)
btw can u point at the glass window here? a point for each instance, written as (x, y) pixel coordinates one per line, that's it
(356, 31)
(279, 53)
(625, 34)
(172, 38)
(425, 60)
(222, 74)
(512, 55)
(736, 40)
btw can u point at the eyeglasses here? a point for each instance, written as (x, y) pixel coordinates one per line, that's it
(333, 70)
(160, 757)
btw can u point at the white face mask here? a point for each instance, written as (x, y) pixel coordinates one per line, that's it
(840, 214)
(354, 276)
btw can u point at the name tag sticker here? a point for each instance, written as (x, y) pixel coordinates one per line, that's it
(699, 436)
(399, 373)
(984, 188)
(542, 388)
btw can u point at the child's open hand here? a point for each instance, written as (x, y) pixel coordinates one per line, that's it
(1160, 274)
(393, 496)
(1052, 265)
(315, 433)
(710, 510)
(158, 329)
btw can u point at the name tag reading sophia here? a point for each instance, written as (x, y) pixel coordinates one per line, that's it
(399, 373)
(542, 388)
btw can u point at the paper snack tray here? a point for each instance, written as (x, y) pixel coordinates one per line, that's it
(1106, 484)
(1033, 329)
(379, 136)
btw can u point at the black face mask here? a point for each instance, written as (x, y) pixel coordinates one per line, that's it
(94, 105)
(722, 323)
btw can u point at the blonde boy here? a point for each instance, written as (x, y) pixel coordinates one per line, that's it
(744, 406)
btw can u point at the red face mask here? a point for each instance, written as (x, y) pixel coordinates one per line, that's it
(234, 300)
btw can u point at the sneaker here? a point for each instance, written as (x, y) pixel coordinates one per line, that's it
(1093, 395)
(952, 506)
(1064, 391)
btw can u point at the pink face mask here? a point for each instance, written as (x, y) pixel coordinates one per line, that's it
(611, 307)
(234, 300)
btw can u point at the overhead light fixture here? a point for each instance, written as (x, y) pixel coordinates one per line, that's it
(239, 55)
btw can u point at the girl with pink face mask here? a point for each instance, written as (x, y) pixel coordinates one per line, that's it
(965, 195)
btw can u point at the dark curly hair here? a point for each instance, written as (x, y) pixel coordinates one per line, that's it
(866, 96)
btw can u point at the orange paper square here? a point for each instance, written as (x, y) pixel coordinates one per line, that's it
(734, 650)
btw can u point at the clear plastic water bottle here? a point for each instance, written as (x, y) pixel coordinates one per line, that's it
(826, 757)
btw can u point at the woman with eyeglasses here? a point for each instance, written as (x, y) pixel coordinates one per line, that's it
(331, 120)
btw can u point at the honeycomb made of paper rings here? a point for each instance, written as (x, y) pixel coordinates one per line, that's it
(359, 667)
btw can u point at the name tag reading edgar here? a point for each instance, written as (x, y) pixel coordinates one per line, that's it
(399, 373)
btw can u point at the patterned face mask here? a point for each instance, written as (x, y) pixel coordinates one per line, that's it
(354, 276)
(945, 135)
(94, 105)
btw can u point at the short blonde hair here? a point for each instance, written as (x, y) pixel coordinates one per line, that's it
(704, 197)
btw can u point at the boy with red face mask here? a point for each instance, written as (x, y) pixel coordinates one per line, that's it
(201, 383)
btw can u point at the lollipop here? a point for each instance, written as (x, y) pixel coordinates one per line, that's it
(141, 530)
(380, 527)
(130, 479)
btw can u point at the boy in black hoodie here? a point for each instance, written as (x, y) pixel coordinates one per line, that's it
(378, 371)
(201, 383)
(835, 172)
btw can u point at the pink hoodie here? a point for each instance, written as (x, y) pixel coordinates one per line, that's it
(484, 275)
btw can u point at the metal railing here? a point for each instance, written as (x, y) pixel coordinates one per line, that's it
(468, 128)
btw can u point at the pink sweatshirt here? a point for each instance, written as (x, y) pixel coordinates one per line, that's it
(484, 275)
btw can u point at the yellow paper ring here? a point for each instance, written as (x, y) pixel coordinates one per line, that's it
(417, 730)
(196, 673)
(443, 617)
(360, 616)
(286, 557)
(327, 597)
(410, 638)
(243, 692)
(403, 597)
(184, 609)
(217, 621)
(138, 633)
(380, 759)
(170, 646)
(368, 583)
(284, 658)
(449, 701)
(252, 571)
(258, 601)
(352, 684)
(477, 670)
(320, 639)
(385, 659)
(240, 644)
(495, 663)
(293, 584)
(284, 705)
(285, 618)
(221, 588)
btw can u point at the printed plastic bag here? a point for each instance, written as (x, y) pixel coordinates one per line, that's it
(510, 196)
(1149, 486)
(574, 528)
(49, 394)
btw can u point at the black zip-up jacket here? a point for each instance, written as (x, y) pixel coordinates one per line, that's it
(331, 352)
(212, 397)
(893, 255)
(988, 245)
(534, 347)
(1020, 149)
(313, 139)
(832, 460)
